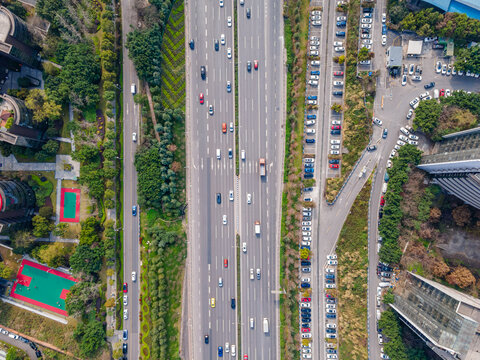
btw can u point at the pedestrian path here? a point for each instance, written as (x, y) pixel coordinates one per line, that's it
(11, 164)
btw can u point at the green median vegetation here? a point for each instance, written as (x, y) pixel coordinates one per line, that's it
(352, 272)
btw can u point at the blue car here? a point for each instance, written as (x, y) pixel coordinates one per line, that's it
(311, 117)
(305, 285)
(311, 141)
(308, 176)
(307, 320)
(384, 29)
(331, 351)
(312, 97)
(309, 170)
(340, 33)
(334, 161)
(329, 276)
(220, 351)
(229, 87)
(331, 316)
(315, 72)
(308, 165)
(134, 210)
(341, 23)
(125, 335)
(305, 247)
(331, 331)
(385, 133)
(334, 132)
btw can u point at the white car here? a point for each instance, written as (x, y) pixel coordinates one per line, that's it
(314, 77)
(404, 80)
(315, 63)
(330, 286)
(334, 142)
(221, 3)
(125, 300)
(332, 262)
(416, 78)
(306, 243)
(447, 92)
(424, 95)
(313, 48)
(367, 41)
(307, 223)
(336, 122)
(332, 356)
(377, 121)
(413, 137)
(366, 21)
(134, 137)
(411, 142)
(384, 18)
(316, 17)
(313, 82)
(309, 160)
(334, 152)
(224, 219)
(369, 47)
(366, 26)
(331, 257)
(306, 233)
(389, 164)
(444, 69)
(338, 83)
(330, 306)
(229, 21)
(438, 68)
(310, 131)
(380, 338)
(337, 43)
(222, 39)
(312, 102)
(409, 114)
(125, 314)
(307, 228)
(330, 270)
(305, 305)
(366, 36)
(229, 53)
(403, 137)
(339, 49)
(315, 42)
(230, 195)
(400, 143)
(310, 122)
(335, 147)
(396, 147)
(384, 40)
(307, 280)
(392, 154)
(134, 276)
(414, 102)
(307, 238)
(341, 18)
(316, 12)
(411, 69)
(244, 247)
(316, 23)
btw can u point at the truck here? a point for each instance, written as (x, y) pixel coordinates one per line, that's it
(261, 162)
(257, 227)
(133, 89)
(265, 325)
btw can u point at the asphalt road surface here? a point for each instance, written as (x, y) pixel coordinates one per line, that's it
(131, 248)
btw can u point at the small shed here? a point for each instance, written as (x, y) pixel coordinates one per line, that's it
(415, 48)
(394, 57)
(450, 47)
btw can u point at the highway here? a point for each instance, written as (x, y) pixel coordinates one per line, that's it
(261, 113)
(210, 241)
(131, 248)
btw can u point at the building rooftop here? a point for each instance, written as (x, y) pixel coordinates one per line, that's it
(5, 24)
(440, 315)
(471, 8)
(415, 47)
(394, 56)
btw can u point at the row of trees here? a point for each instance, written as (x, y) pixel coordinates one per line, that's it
(460, 111)
(156, 168)
(429, 22)
(393, 345)
(468, 59)
(389, 229)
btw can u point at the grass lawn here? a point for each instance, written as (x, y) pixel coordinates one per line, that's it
(352, 272)
(65, 148)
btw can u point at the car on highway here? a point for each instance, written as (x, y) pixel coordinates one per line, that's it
(125, 314)
(430, 85)
(371, 148)
(225, 263)
(134, 210)
(224, 219)
(203, 72)
(134, 276)
(200, 98)
(125, 287)
(210, 109)
(229, 21)
(255, 64)
(248, 13)
(229, 53)
(230, 153)
(125, 300)
(249, 66)
(385, 133)
(384, 40)
(125, 335)
(192, 44)
(222, 39)
(229, 86)
(224, 128)
(212, 302)
(216, 45)
(134, 137)
(219, 198)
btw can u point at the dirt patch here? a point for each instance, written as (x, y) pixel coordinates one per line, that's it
(461, 247)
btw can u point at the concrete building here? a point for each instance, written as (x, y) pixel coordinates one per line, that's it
(455, 165)
(16, 123)
(415, 48)
(471, 8)
(394, 57)
(16, 40)
(17, 203)
(446, 319)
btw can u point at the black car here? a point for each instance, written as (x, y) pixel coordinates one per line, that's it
(371, 148)
(308, 189)
(192, 44)
(334, 161)
(307, 320)
(330, 331)
(38, 353)
(365, 31)
(335, 132)
(125, 335)
(206, 339)
(429, 86)
(203, 72)
(248, 13)
(367, 9)
(306, 326)
(219, 198)
(125, 348)
(308, 176)
(305, 263)
(337, 93)
(232, 303)
(33, 346)
(249, 66)
(217, 47)
(306, 310)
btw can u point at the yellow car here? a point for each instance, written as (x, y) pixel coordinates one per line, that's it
(212, 302)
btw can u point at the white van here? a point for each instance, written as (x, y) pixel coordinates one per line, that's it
(252, 323)
(218, 154)
(133, 89)
(233, 350)
(435, 94)
(243, 155)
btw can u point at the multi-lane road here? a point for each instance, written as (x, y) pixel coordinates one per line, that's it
(212, 242)
(131, 249)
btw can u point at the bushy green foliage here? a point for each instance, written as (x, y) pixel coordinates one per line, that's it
(390, 251)
(468, 59)
(41, 226)
(391, 330)
(87, 259)
(92, 335)
(17, 8)
(90, 232)
(426, 116)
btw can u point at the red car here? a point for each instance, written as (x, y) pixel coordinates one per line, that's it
(305, 330)
(125, 287)
(442, 92)
(201, 98)
(224, 127)
(328, 296)
(333, 166)
(255, 64)
(306, 299)
(225, 263)
(245, 357)
(336, 127)
(338, 73)
(382, 201)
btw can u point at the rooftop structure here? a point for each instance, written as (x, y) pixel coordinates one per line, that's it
(471, 8)
(446, 319)
(15, 39)
(415, 48)
(455, 165)
(394, 56)
(17, 202)
(16, 125)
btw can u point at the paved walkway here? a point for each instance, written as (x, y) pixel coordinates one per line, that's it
(38, 312)
(11, 164)
(62, 139)
(70, 117)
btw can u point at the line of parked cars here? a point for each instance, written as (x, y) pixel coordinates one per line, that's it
(330, 308)
(449, 69)
(22, 339)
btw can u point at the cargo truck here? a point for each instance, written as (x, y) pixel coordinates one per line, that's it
(257, 227)
(261, 162)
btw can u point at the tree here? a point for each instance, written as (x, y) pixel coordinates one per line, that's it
(93, 337)
(110, 302)
(86, 153)
(46, 211)
(336, 107)
(12, 354)
(363, 54)
(304, 253)
(23, 239)
(41, 226)
(389, 298)
(440, 269)
(462, 215)
(60, 229)
(54, 255)
(42, 108)
(86, 259)
(341, 59)
(51, 147)
(426, 116)
(90, 232)
(461, 276)
(435, 214)
(81, 298)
